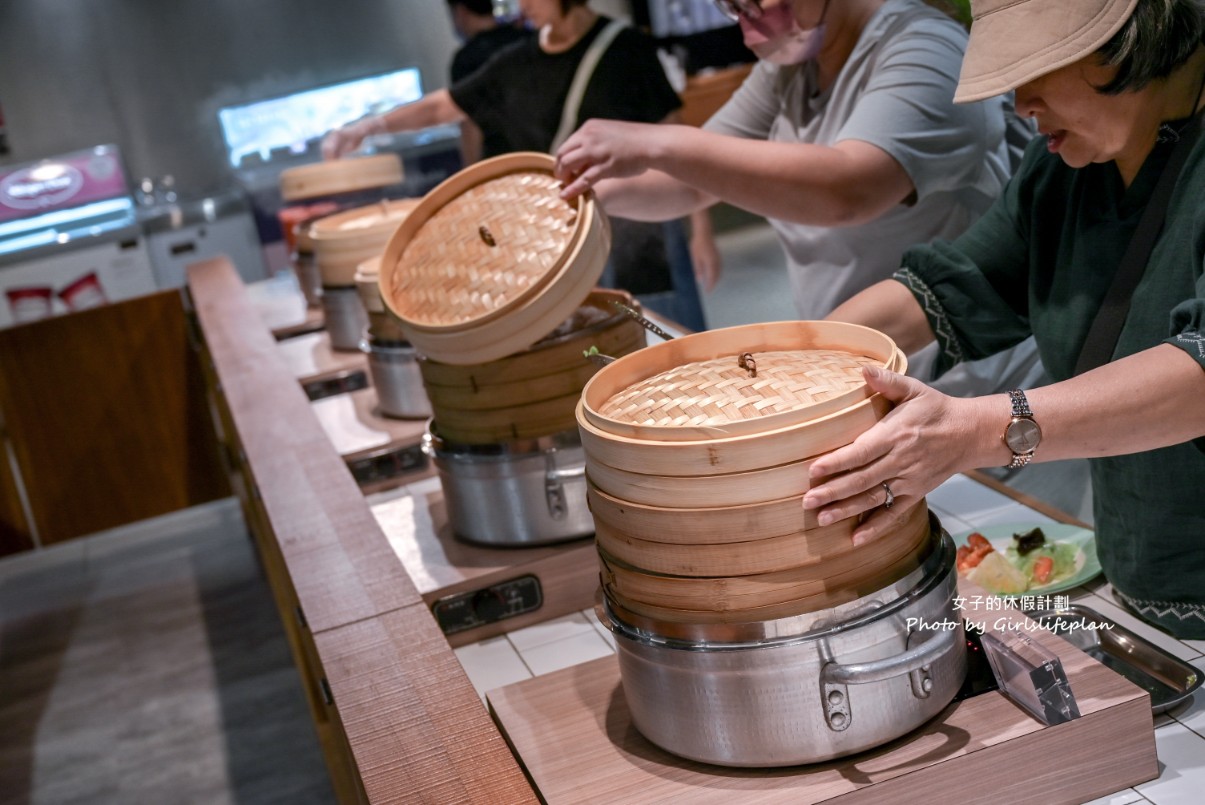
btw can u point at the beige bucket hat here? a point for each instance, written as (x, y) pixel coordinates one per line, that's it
(1014, 41)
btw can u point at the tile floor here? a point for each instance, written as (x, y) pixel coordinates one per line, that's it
(961, 504)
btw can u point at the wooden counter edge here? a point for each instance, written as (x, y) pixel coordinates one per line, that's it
(383, 683)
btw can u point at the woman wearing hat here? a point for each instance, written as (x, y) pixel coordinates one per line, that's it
(1097, 248)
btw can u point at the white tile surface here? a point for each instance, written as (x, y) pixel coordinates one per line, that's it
(583, 647)
(588, 614)
(951, 522)
(962, 496)
(1125, 797)
(1196, 645)
(553, 631)
(1182, 768)
(1193, 715)
(492, 664)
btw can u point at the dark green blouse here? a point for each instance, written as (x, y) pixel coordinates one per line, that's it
(1039, 262)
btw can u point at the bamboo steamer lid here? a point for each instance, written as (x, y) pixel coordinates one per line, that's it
(732, 454)
(874, 561)
(492, 260)
(343, 241)
(338, 176)
(696, 388)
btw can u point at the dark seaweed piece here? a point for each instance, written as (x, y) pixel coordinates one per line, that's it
(1029, 541)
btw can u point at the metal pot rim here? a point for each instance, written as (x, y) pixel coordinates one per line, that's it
(796, 629)
(437, 447)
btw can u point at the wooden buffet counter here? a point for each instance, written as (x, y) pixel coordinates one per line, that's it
(397, 717)
(399, 720)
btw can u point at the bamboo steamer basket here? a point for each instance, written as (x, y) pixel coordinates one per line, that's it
(531, 393)
(686, 492)
(382, 325)
(692, 388)
(339, 176)
(811, 582)
(841, 591)
(343, 241)
(492, 260)
(701, 525)
(804, 547)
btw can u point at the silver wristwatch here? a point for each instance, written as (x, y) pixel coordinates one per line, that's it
(1022, 435)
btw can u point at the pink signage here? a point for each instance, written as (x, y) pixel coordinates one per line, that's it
(61, 183)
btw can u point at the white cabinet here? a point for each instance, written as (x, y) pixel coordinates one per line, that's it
(175, 243)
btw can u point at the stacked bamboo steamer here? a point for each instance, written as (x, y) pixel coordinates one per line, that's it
(697, 454)
(534, 392)
(343, 242)
(319, 189)
(491, 279)
(383, 327)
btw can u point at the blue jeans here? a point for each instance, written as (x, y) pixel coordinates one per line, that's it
(682, 305)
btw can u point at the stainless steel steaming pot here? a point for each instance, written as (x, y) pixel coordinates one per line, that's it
(803, 689)
(523, 493)
(396, 378)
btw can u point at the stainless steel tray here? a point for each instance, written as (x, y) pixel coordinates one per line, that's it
(1168, 679)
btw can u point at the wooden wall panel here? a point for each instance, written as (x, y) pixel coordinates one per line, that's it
(15, 533)
(107, 415)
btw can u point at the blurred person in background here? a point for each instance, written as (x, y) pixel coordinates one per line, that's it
(521, 101)
(481, 35)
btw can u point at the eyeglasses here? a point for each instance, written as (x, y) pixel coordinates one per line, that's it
(735, 9)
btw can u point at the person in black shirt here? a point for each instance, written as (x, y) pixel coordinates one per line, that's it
(483, 36)
(519, 96)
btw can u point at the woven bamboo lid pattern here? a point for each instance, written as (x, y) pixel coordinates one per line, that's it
(492, 260)
(736, 381)
(496, 243)
(720, 391)
(340, 176)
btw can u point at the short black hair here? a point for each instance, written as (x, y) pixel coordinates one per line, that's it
(479, 7)
(568, 4)
(1159, 36)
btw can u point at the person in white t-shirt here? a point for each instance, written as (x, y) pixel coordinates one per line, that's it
(845, 136)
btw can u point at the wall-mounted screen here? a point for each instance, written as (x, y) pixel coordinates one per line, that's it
(257, 133)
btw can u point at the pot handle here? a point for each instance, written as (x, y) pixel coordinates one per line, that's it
(834, 676)
(859, 673)
(554, 491)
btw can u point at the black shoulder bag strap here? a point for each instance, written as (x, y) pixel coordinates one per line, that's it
(1106, 327)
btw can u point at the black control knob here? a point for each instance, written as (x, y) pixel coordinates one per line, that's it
(488, 606)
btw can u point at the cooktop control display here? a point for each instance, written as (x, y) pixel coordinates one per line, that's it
(463, 611)
(387, 465)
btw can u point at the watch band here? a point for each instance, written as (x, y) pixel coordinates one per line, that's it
(1020, 410)
(1020, 403)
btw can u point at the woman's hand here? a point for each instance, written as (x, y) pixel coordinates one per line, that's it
(604, 149)
(923, 440)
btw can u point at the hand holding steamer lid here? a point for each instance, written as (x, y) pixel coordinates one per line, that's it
(492, 259)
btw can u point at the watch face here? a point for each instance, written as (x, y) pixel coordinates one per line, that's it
(1023, 435)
